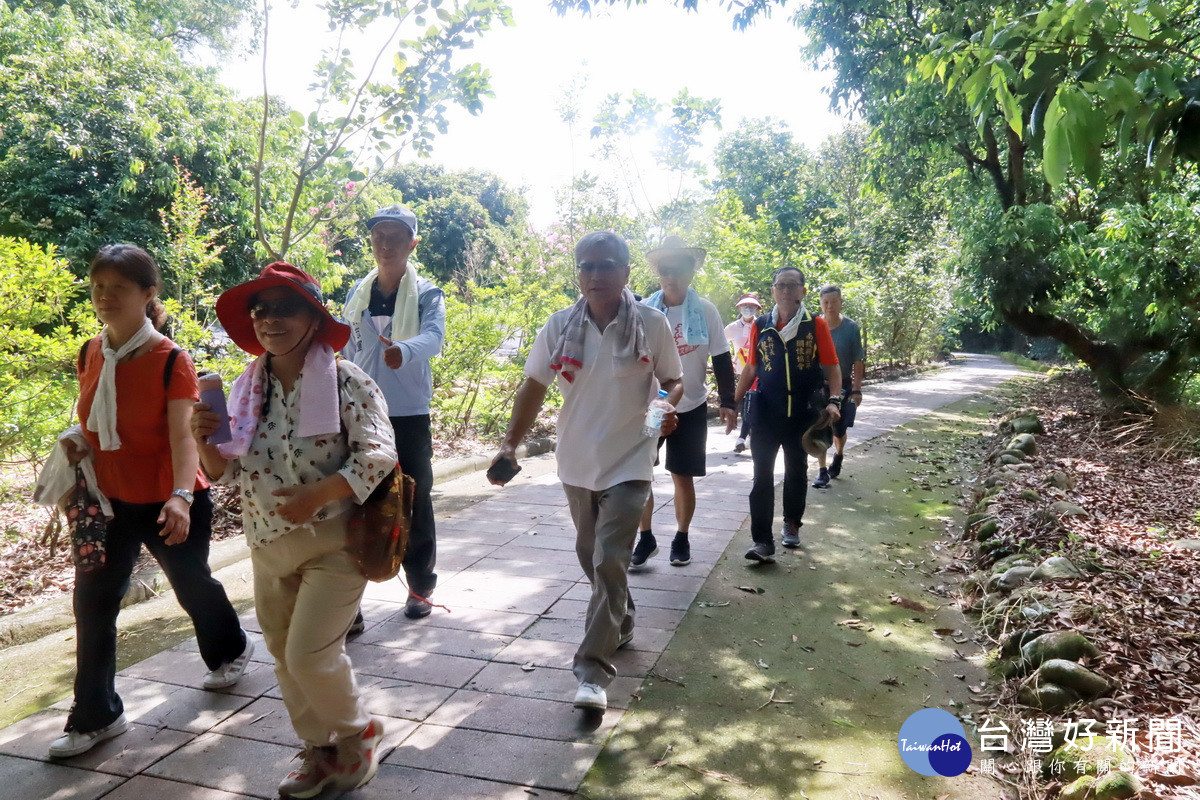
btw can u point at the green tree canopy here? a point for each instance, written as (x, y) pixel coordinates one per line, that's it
(461, 217)
(92, 120)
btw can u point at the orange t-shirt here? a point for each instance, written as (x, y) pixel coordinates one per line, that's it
(825, 349)
(141, 470)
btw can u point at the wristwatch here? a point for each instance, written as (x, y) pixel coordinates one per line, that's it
(187, 496)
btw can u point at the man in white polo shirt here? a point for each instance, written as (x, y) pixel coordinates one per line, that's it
(605, 352)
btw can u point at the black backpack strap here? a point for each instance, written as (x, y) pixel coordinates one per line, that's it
(82, 359)
(169, 368)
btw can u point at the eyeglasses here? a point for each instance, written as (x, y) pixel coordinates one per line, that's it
(599, 266)
(788, 286)
(395, 239)
(279, 309)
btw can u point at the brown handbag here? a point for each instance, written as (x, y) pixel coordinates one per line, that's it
(377, 531)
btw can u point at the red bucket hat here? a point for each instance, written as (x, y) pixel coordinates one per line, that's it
(233, 307)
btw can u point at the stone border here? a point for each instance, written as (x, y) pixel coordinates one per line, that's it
(52, 616)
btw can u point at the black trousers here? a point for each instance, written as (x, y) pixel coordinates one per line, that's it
(414, 451)
(771, 433)
(746, 412)
(98, 595)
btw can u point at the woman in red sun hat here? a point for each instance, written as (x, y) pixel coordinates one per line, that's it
(310, 436)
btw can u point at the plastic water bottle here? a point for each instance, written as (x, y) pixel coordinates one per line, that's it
(654, 415)
(211, 392)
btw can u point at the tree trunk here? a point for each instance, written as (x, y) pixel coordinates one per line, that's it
(1102, 358)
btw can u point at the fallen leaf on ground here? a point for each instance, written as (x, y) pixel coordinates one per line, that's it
(753, 589)
(530, 667)
(710, 773)
(762, 664)
(904, 602)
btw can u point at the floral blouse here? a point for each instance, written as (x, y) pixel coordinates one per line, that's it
(364, 453)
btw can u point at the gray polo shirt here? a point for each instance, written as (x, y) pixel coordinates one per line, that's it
(847, 341)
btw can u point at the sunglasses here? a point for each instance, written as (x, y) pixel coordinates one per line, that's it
(788, 286)
(279, 309)
(599, 266)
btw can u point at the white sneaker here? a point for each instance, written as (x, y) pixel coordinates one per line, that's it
(72, 743)
(230, 672)
(590, 695)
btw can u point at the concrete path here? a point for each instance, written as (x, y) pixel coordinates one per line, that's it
(477, 701)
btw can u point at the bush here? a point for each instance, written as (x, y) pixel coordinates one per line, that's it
(38, 347)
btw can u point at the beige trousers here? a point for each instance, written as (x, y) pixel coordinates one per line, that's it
(606, 523)
(307, 590)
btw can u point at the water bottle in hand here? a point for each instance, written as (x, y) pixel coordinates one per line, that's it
(213, 394)
(654, 415)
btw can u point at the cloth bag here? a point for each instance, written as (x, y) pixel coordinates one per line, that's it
(88, 524)
(377, 530)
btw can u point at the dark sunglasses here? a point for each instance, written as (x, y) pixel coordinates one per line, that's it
(279, 309)
(599, 266)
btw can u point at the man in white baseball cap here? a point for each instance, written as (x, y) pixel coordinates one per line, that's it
(398, 323)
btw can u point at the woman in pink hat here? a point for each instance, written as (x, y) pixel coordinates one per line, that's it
(310, 437)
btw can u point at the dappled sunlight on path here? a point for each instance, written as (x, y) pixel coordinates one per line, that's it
(478, 701)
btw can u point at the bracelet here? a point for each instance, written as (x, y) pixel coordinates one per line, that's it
(835, 401)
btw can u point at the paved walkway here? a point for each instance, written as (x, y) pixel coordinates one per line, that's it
(477, 701)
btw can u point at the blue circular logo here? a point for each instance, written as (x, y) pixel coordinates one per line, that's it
(933, 742)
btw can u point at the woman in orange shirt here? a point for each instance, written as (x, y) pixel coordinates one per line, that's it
(136, 391)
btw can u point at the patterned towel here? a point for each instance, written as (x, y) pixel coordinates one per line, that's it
(567, 356)
(318, 400)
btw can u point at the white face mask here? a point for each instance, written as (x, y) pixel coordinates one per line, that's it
(747, 311)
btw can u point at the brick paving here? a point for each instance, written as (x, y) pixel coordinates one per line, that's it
(477, 702)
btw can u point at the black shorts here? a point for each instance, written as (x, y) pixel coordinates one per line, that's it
(849, 408)
(686, 444)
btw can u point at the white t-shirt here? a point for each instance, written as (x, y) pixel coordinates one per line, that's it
(738, 334)
(695, 356)
(600, 441)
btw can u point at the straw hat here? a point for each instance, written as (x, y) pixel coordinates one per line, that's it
(675, 246)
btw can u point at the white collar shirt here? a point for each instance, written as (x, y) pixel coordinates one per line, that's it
(600, 440)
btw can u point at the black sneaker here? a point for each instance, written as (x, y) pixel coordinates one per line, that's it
(835, 466)
(761, 553)
(791, 534)
(645, 549)
(358, 626)
(417, 607)
(822, 480)
(681, 551)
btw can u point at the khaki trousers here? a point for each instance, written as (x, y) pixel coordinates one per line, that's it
(307, 590)
(606, 523)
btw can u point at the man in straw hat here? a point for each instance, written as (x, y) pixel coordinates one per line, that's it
(696, 326)
(738, 334)
(605, 352)
(793, 359)
(398, 323)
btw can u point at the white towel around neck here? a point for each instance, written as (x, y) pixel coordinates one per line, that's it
(788, 332)
(405, 321)
(103, 417)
